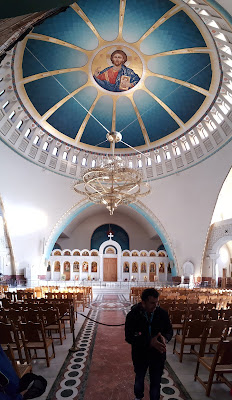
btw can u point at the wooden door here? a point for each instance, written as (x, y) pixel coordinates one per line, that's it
(224, 271)
(110, 270)
(152, 276)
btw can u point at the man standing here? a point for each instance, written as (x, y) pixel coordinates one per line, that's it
(117, 78)
(148, 329)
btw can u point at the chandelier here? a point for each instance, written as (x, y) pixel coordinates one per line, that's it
(112, 183)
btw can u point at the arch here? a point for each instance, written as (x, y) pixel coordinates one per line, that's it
(188, 269)
(139, 207)
(101, 232)
(219, 243)
(110, 243)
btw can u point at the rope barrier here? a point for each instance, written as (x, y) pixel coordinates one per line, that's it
(100, 323)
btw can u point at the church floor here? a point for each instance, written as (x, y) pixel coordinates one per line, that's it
(101, 368)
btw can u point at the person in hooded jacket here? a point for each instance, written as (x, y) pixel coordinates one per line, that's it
(148, 329)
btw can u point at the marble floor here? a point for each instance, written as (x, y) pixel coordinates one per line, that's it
(103, 361)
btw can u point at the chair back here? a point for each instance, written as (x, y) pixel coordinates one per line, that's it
(176, 316)
(224, 353)
(7, 333)
(196, 314)
(193, 328)
(218, 328)
(30, 315)
(32, 331)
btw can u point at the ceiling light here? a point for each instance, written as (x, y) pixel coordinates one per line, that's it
(112, 183)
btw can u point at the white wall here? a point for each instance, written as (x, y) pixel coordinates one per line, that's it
(81, 236)
(184, 204)
(23, 186)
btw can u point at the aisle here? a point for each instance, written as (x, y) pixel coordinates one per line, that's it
(101, 368)
(111, 373)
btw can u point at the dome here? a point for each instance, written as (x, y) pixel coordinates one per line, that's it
(162, 96)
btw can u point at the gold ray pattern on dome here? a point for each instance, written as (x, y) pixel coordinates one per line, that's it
(139, 61)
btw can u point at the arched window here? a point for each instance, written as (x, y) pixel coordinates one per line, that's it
(74, 159)
(36, 140)
(65, 155)
(177, 151)
(5, 104)
(45, 146)
(186, 146)
(55, 151)
(84, 162)
(195, 140)
(11, 114)
(27, 133)
(20, 123)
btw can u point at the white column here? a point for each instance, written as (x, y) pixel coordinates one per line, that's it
(214, 258)
(165, 271)
(101, 266)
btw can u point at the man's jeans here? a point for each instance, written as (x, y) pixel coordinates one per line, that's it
(155, 371)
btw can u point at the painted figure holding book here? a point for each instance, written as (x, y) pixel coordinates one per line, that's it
(117, 78)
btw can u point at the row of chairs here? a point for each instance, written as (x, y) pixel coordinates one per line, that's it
(201, 337)
(51, 318)
(77, 298)
(178, 317)
(25, 338)
(25, 312)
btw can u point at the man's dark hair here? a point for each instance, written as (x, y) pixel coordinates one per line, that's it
(123, 54)
(149, 292)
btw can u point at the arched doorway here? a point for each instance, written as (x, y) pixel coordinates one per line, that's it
(110, 265)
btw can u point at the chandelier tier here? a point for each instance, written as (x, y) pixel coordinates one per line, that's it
(112, 183)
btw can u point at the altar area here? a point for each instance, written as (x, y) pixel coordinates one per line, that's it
(109, 264)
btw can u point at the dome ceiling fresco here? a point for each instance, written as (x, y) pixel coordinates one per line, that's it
(145, 69)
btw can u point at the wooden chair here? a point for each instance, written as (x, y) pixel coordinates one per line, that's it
(6, 303)
(20, 369)
(52, 323)
(30, 315)
(79, 299)
(192, 333)
(34, 338)
(209, 306)
(193, 306)
(196, 314)
(226, 314)
(220, 364)
(65, 312)
(214, 331)
(14, 316)
(213, 314)
(9, 335)
(177, 318)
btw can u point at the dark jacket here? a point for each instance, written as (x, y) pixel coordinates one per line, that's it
(137, 331)
(11, 390)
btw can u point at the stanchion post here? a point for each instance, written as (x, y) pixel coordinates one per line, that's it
(72, 324)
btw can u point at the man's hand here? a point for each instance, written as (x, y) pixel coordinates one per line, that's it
(158, 342)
